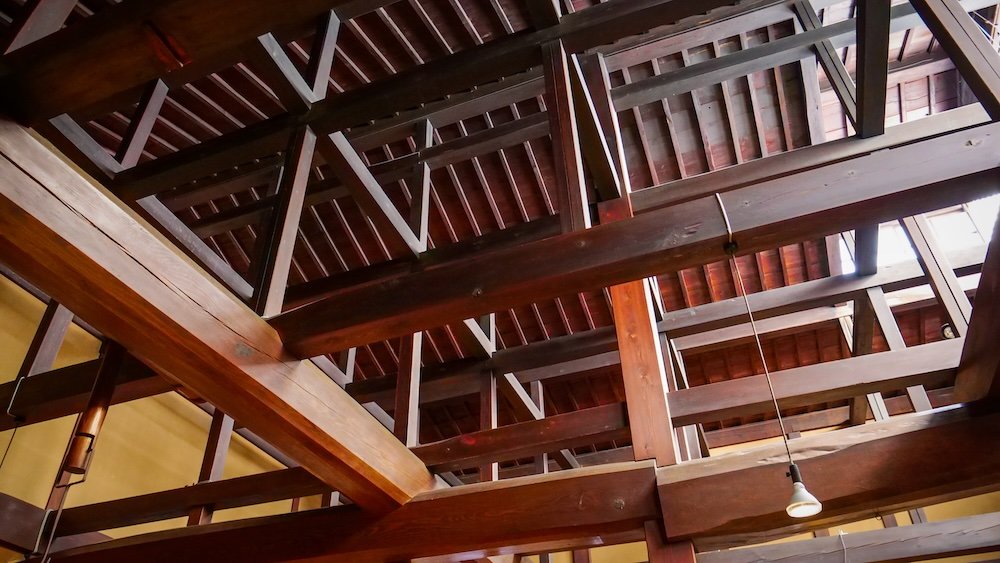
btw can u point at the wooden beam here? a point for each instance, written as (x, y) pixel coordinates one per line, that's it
(754, 509)
(873, 65)
(140, 292)
(277, 243)
(141, 125)
(21, 524)
(606, 504)
(543, 13)
(580, 352)
(525, 407)
(370, 196)
(489, 469)
(571, 186)
(605, 255)
(281, 74)
(643, 374)
(593, 137)
(978, 371)
(968, 47)
(960, 536)
(53, 394)
(659, 551)
(219, 494)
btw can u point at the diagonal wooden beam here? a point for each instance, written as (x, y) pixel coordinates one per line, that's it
(826, 54)
(525, 408)
(38, 19)
(141, 125)
(371, 197)
(78, 246)
(571, 186)
(926, 175)
(979, 372)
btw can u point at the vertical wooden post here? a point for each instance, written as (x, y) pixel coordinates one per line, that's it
(873, 64)
(538, 397)
(406, 417)
(276, 244)
(488, 420)
(420, 191)
(220, 434)
(574, 211)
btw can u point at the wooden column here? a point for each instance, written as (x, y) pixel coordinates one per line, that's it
(574, 210)
(488, 420)
(873, 64)
(277, 242)
(220, 434)
(406, 416)
(537, 393)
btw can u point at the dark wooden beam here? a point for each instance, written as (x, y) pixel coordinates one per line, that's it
(406, 415)
(873, 65)
(220, 434)
(138, 291)
(826, 54)
(943, 281)
(543, 13)
(63, 392)
(219, 494)
(21, 523)
(921, 472)
(968, 47)
(528, 407)
(928, 175)
(606, 504)
(594, 138)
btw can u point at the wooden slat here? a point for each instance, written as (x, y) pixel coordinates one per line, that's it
(924, 447)
(139, 292)
(527, 515)
(406, 417)
(921, 179)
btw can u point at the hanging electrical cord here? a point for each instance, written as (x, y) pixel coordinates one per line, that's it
(17, 419)
(843, 544)
(802, 504)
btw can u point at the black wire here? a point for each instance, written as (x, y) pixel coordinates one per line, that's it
(9, 444)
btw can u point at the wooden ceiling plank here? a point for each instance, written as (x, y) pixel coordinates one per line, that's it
(924, 178)
(140, 292)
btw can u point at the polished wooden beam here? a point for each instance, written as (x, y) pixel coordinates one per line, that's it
(138, 291)
(921, 472)
(949, 538)
(873, 65)
(979, 372)
(968, 47)
(927, 175)
(590, 506)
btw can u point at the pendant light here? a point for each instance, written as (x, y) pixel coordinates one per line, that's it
(802, 504)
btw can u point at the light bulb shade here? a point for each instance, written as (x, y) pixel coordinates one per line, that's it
(802, 504)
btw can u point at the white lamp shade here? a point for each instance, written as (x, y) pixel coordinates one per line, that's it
(802, 503)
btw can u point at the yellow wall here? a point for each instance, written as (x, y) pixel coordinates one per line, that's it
(148, 445)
